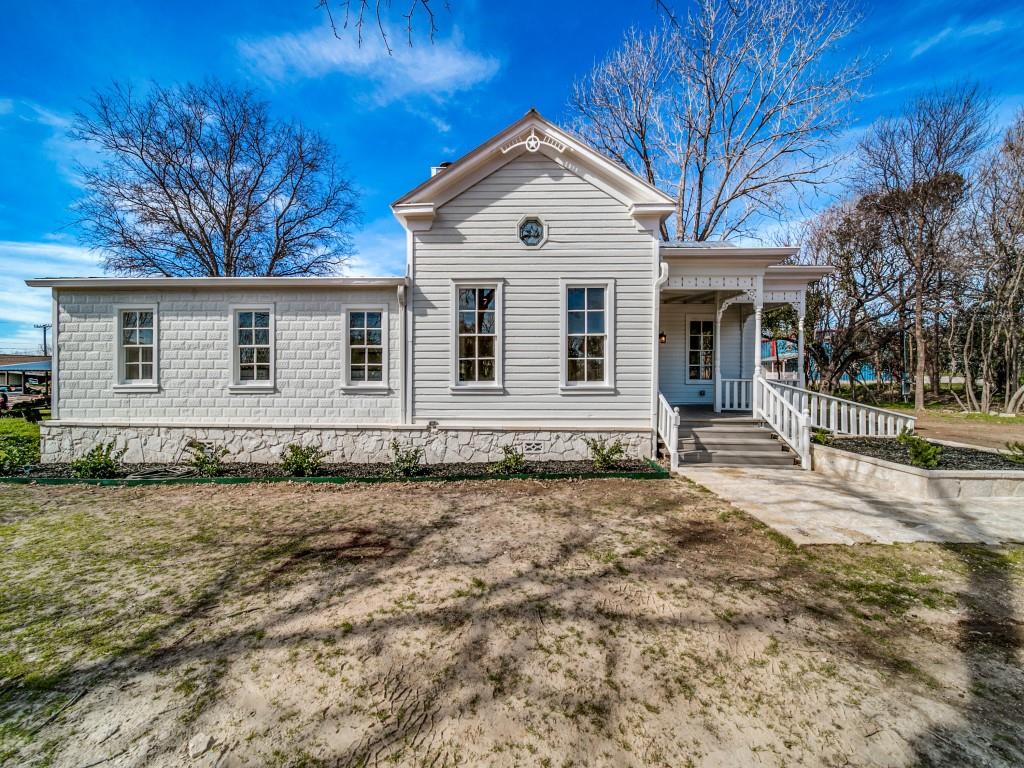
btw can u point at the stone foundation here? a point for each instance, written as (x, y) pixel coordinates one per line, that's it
(155, 444)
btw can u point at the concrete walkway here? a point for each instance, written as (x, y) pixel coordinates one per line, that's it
(813, 509)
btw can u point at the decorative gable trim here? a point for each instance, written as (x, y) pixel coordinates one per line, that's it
(532, 141)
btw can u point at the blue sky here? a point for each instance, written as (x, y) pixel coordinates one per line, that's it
(389, 118)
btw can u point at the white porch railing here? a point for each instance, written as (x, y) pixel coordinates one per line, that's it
(789, 423)
(844, 417)
(735, 394)
(668, 429)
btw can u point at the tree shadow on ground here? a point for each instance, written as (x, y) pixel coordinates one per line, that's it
(990, 642)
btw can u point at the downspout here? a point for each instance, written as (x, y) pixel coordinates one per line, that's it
(402, 362)
(659, 282)
(54, 399)
(407, 353)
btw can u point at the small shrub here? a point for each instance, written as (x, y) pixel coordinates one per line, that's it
(512, 462)
(17, 452)
(823, 437)
(604, 455)
(1015, 452)
(405, 462)
(100, 462)
(302, 461)
(205, 457)
(922, 453)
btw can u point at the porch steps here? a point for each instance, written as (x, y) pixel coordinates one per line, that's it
(731, 441)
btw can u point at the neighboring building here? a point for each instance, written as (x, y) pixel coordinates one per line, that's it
(17, 371)
(539, 307)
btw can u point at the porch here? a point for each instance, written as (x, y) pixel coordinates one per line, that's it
(717, 402)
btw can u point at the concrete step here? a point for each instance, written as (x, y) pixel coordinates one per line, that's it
(760, 445)
(738, 458)
(731, 432)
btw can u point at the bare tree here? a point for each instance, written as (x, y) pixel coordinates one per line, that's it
(855, 312)
(200, 180)
(733, 109)
(987, 324)
(912, 172)
(356, 14)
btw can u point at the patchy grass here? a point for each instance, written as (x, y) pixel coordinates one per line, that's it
(600, 622)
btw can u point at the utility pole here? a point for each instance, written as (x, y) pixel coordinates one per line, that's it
(45, 327)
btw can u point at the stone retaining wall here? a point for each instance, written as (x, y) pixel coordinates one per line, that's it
(263, 445)
(915, 481)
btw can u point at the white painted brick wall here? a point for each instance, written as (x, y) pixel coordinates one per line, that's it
(195, 358)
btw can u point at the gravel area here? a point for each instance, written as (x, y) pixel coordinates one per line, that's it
(952, 457)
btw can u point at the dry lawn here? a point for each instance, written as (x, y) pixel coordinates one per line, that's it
(499, 623)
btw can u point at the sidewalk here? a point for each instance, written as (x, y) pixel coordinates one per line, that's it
(812, 509)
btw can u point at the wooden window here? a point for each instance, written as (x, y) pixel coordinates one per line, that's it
(137, 345)
(586, 334)
(254, 346)
(366, 346)
(477, 334)
(700, 364)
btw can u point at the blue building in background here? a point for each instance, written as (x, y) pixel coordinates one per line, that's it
(779, 358)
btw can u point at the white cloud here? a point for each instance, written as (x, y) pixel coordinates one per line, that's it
(380, 250)
(954, 33)
(22, 306)
(438, 69)
(64, 151)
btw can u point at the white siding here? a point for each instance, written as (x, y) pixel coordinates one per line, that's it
(195, 357)
(591, 236)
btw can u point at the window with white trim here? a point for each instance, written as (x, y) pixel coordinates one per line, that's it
(254, 346)
(366, 346)
(137, 346)
(477, 335)
(700, 360)
(586, 334)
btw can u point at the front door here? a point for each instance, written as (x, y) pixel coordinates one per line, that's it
(700, 357)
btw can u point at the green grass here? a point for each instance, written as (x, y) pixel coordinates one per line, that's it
(18, 428)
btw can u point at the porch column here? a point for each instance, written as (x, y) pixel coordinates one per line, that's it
(756, 383)
(717, 383)
(757, 339)
(800, 375)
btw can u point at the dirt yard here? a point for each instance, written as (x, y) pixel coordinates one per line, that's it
(986, 431)
(498, 623)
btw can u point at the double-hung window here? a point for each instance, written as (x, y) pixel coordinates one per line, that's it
(588, 339)
(700, 350)
(136, 348)
(366, 345)
(477, 359)
(253, 347)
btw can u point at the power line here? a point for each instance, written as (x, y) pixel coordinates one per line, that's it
(45, 327)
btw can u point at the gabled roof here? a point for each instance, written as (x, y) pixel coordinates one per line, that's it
(533, 134)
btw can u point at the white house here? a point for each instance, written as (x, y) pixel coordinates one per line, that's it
(539, 307)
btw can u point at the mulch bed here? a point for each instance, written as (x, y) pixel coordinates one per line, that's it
(354, 470)
(952, 458)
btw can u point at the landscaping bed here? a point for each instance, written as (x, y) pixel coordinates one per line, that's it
(952, 457)
(348, 471)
